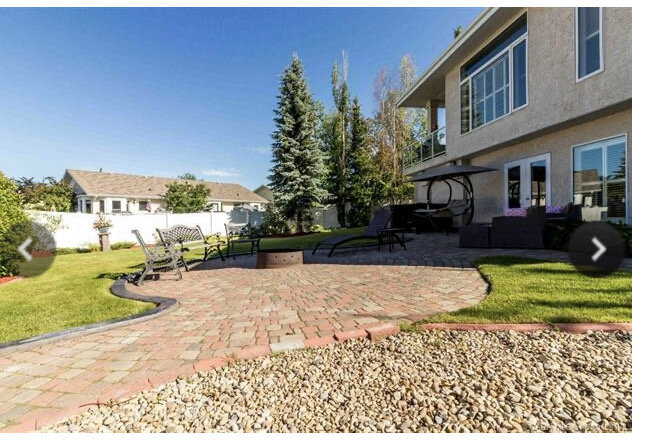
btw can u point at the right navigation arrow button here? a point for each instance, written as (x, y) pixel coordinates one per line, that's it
(601, 249)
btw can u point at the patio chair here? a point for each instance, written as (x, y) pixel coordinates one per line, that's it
(241, 233)
(188, 239)
(377, 229)
(157, 259)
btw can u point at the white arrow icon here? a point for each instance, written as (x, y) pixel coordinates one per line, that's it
(600, 249)
(23, 249)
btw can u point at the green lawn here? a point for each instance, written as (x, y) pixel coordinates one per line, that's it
(526, 290)
(75, 290)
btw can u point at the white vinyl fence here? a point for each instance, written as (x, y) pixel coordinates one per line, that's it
(75, 230)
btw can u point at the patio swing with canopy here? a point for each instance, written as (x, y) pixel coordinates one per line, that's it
(450, 174)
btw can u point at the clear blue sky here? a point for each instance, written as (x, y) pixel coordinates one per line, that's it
(167, 91)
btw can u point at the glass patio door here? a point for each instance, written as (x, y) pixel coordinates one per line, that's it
(527, 182)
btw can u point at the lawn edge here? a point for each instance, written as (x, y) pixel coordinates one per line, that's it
(118, 289)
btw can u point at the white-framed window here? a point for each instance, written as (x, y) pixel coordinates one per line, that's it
(116, 206)
(494, 82)
(599, 179)
(588, 35)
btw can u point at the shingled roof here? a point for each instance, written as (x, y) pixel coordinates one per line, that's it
(97, 183)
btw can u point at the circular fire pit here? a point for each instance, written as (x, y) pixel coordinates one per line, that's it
(275, 258)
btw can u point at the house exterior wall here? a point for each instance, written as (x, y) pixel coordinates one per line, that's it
(131, 205)
(489, 187)
(555, 97)
(561, 113)
(554, 94)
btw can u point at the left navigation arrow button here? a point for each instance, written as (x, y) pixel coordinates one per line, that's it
(23, 249)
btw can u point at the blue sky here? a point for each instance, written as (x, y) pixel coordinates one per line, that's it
(167, 91)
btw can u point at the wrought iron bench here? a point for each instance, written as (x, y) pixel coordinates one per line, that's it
(157, 259)
(241, 233)
(189, 238)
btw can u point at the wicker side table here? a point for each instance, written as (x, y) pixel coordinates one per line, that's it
(476, 235)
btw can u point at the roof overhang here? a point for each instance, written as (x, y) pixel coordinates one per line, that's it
(431, 84)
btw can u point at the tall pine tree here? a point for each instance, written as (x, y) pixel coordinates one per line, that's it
(366, 189)
(298, 168)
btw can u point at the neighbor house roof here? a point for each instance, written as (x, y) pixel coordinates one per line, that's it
(98, 183)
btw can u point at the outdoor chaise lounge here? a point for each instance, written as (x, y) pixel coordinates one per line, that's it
(376, 230)
(157, 259)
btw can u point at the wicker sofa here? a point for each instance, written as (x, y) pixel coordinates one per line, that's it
(525, 232)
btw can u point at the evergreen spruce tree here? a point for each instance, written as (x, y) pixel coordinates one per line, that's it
(298, 169)
(366, 189)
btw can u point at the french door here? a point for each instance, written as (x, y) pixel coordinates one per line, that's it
(527, 182)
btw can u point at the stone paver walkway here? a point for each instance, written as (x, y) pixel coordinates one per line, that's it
(230, 309)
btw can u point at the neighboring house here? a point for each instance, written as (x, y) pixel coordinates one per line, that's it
(99, 191)
(543, 95)
(264, 192)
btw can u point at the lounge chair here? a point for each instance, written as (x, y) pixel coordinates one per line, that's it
(157, 259)
(376, 230)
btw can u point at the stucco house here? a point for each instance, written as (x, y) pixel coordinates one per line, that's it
(541, 95)
(99, 191)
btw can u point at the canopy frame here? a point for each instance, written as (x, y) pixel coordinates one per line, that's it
(458, 174)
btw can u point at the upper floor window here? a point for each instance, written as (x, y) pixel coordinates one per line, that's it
(589, 42)
(494, 81)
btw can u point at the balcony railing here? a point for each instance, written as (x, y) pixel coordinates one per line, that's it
(432, 146)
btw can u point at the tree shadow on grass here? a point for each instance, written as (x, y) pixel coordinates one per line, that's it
(111, 275)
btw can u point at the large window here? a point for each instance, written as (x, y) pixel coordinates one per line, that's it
(490, 92)
(589, 42)
(600, 179)
(494, 82)
(116, 206)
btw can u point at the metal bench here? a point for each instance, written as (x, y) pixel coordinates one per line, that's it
(241, 233)
(157, 259)
(189, 238)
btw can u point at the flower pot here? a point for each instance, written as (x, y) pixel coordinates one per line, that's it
(104, 230)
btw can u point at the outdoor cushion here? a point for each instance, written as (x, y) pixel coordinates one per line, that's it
(554, 209)
(515, 212)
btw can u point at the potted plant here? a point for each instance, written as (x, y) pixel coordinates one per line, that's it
(102, 224)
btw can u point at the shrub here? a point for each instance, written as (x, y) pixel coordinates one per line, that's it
(274, 222)
(14, 227)
(557, 235)
(123, 245)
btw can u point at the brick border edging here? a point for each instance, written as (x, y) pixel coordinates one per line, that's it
(119, 289)
(39, 418)
(571, 327)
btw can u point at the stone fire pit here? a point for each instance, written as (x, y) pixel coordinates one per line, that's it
(275, 258)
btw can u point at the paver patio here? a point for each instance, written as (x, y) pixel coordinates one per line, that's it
(226, 307)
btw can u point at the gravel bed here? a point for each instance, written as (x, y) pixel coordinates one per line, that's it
(449, 381)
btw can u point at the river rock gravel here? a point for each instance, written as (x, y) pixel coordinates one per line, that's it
(436, 381)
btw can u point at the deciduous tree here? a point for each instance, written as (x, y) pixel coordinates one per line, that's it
(182, 197)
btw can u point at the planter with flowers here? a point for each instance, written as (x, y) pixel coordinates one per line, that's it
(102, 225)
